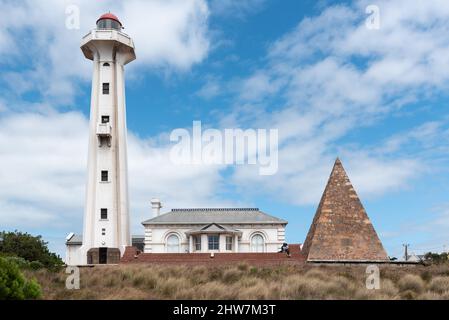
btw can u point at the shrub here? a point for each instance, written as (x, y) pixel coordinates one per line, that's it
(215, 274)
(231, 276)
(426, 276)
(243, 267)
(411, 282)
(388, 288)
(29, 248)
(247, 281)
(215, 291)
(36, 265)
(301, 288)
(14, 285)
(259, 291)
(150, 282)
(253, 270)
(20, 262)
(169, 287)
(138, 280)
(409, 295)
(316, 274)
(340, 288)
(439, 284)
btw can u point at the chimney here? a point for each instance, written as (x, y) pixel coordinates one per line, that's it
(156, 207)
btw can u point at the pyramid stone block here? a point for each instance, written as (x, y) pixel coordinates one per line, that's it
(341, 229)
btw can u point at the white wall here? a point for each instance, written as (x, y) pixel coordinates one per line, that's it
(72, 257)
(156, 236)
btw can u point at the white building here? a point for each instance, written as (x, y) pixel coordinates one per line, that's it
(106, 218)
(213, 230)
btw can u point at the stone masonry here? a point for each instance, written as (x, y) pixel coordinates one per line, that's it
(341, 229)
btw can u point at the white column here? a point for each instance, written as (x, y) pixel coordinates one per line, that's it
(222, 243)
(204, 243)
(236, 243)
(190, 244)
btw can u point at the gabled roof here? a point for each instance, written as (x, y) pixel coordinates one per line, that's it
(213, 228)
(76, 239)
(341, 229)
(215, 215)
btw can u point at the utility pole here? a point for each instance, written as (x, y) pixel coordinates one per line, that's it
(406, 245)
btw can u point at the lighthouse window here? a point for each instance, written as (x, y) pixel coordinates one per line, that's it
(106, 64)
(103, 232)
(104, 176)
(104, 119)
(104, 214)
(109, 24)
(106, 88)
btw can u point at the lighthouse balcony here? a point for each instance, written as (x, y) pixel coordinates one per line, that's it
(104, 133)
(104, 130)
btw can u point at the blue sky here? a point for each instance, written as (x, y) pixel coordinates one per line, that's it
(311, 69)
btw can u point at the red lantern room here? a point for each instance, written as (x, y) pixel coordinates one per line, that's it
(109, 21)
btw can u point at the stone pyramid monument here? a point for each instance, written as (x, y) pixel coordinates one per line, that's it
(341, 229)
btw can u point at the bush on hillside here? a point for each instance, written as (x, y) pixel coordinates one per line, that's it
(436, 258)
(32, 249)
(14, 285)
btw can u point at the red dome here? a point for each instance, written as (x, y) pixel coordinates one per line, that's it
(109, 16)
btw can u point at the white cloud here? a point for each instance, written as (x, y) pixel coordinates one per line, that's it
(330, 76)
(169, 34)
(371, 176)
(210, 89)
(257, 87)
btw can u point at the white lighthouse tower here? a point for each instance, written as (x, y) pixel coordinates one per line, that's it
(106, 218)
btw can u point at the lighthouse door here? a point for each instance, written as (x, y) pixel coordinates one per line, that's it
(103, 256)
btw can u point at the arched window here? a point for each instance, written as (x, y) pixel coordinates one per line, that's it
(106, 64)
(257, 243)
(173, 243)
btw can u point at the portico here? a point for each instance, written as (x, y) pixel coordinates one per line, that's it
(213, 238)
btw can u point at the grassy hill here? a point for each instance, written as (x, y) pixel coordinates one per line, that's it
(246, 282)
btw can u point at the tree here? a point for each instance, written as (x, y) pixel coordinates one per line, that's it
(14, 285)
(28, 247)
(436, 257)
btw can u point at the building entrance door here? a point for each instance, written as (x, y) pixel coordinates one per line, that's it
(103, 256)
